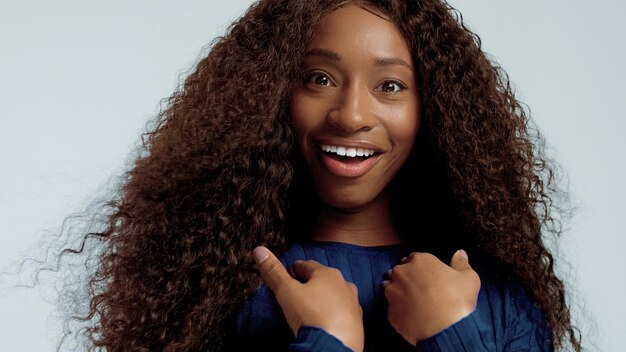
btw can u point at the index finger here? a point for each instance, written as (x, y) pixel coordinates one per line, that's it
(303, 269)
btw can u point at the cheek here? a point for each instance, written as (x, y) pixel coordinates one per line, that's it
(405, 126)
(304, 116)
(297, 119)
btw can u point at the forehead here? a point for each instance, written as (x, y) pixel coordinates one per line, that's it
(359, 28)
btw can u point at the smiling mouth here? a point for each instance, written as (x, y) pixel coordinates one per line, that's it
(348, 161)
(347, 154)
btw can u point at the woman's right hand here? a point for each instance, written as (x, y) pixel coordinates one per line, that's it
(321, 298)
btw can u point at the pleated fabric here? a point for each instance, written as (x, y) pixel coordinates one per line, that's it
(505, 318)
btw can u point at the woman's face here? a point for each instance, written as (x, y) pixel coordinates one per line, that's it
(357, 112)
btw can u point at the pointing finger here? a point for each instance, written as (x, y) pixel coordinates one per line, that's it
(304, 269)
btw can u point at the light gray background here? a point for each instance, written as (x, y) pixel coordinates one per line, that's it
(79, 79)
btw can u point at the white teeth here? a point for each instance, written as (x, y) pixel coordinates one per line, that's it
(349, 152)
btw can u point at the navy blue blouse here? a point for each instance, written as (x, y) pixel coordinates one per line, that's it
(505, 318)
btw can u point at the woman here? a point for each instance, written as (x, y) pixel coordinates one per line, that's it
(372, 135)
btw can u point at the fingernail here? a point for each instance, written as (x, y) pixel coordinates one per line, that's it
(385, 282)
(260, 254)
(463, 254)
(388, 273)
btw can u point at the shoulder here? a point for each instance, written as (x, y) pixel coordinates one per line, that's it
(507, 295)
(259, 322)
(260, 315)
(506, 318)
(506, 308)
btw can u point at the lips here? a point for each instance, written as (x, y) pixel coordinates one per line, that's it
(347, 161)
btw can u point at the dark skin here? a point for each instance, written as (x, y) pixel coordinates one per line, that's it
(361, 93)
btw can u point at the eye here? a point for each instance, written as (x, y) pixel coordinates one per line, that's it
(319, 79)
(390, 87)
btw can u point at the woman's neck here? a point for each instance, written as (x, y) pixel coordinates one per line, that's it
(370, 225)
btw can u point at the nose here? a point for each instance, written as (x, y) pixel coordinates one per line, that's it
(353, 111)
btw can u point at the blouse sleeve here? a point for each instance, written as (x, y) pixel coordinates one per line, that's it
(505, 319)
(314, 339)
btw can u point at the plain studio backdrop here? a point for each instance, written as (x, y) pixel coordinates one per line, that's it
(80, 79)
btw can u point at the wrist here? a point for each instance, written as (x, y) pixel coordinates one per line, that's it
(314, 338)
(353, 338)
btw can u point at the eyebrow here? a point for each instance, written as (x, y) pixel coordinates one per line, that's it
(379, 61)
(388, 61)
(329, 54)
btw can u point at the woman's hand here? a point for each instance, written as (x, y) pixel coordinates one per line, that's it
(321, 298)
(426, 296)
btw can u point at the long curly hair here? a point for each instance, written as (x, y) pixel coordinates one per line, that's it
(217, 176)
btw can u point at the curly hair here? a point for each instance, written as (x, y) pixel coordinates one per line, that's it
(217, 176)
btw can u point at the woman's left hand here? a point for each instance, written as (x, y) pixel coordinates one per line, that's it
(425, 295)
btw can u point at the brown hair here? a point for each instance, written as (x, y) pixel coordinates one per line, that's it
(215, 179)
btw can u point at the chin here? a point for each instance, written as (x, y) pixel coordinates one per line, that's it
(348, 204)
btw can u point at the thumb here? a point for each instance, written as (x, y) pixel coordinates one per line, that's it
(460, 260)
(272, 270)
